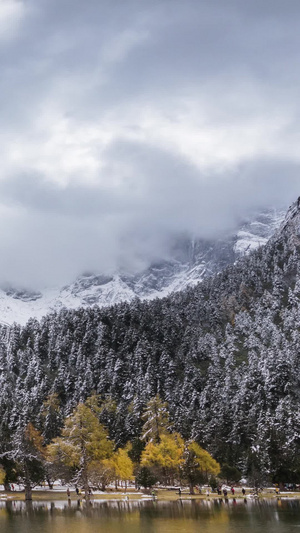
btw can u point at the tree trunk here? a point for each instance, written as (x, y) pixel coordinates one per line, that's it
(27, 485)
(50, 485)
(86, 483)
(28, 491)
(84, 474)
(192, 489)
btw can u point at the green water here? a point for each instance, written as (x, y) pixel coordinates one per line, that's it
(216, 516)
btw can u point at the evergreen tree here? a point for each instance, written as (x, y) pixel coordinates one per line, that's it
(28, 456)
(156, 420)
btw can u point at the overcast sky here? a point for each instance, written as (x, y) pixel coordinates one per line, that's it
(125, 122)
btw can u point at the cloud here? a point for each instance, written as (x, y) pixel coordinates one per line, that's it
(12, 13)
(52, 234)
(124, 124)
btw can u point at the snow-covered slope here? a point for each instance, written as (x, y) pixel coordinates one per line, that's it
(191, 261)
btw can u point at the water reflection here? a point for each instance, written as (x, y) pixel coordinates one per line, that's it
(215, 515)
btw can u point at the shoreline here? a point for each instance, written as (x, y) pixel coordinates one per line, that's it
(160, 495)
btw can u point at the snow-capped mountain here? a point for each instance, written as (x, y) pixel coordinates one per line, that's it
(190, 262)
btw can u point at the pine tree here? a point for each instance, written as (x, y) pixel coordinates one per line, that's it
(156, 420)
(28, 455)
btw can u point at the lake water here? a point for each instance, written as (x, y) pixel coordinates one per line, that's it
(216, 516)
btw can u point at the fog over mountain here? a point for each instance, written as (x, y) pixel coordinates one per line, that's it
(190, 262)
(125, 125)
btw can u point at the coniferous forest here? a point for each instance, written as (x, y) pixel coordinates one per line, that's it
(223, 356)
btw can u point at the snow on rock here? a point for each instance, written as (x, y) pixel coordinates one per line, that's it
(247, 242)
(256, 233)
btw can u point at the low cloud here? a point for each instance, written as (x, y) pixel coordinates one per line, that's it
(52, 234)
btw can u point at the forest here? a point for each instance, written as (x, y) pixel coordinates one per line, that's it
(222, 356)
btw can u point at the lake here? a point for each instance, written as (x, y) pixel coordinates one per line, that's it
(216, 516)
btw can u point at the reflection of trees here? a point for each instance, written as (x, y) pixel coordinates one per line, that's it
(214, 513)
(103, 509)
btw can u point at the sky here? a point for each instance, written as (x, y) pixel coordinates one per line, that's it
(124, 123)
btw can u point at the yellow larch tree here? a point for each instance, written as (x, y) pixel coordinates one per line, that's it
(123, 466)
(165, 457)
(83, 441)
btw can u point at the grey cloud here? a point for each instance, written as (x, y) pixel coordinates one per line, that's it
(76, 231)
(229, 63)
(189, 43)
(36, 194)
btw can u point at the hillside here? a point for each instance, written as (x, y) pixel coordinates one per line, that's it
(224, 354)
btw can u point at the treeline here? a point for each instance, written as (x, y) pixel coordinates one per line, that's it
(224, 355)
